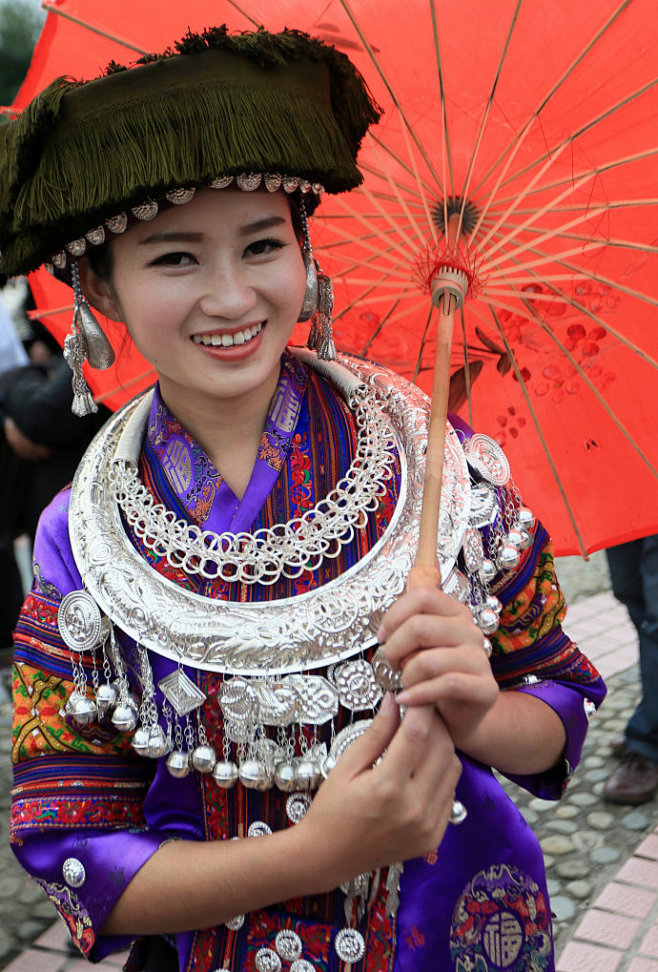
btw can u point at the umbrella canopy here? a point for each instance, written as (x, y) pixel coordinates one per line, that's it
(534, 122)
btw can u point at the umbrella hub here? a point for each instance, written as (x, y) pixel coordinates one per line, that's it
(445, 211)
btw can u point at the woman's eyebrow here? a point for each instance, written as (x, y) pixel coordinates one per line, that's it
(261, 224)
(173, 236)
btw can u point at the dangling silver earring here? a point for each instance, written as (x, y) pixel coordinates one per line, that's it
(323, 320)
(87, 341)
(310, 302)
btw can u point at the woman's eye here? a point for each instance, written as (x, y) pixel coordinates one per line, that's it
(174, 260)
(263, 247)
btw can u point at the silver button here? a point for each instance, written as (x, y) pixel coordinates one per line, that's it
(74, 872)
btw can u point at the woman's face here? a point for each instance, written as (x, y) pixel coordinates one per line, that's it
(210, 292)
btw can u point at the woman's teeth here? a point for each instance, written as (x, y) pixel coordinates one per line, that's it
(228, 340)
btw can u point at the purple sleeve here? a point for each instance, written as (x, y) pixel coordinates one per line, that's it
(77, 820)
(575, 706)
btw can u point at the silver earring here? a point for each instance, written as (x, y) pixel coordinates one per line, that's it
(323, 320)
(310, 302)
(87, 341)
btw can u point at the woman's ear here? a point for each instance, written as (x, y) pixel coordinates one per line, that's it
(98, 291)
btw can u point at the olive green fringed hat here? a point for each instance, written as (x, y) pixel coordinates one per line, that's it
(275, 110)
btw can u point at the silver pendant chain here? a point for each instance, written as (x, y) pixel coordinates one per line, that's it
(287, 549)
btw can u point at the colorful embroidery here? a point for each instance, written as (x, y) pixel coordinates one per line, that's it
(74, 914)
(501, 922)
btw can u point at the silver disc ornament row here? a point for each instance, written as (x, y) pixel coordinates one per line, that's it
(311, 630)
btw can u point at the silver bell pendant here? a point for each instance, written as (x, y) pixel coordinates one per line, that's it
(284, 777)
(124, 717)
(204, 759)
(158, 745)
(106, 698)
(82, 709)
(140, 742)
(307, 774)
(225, 774)
(254, 775)
(178, 764)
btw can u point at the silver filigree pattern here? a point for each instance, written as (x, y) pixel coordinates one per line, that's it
(181, 692)
(349, 945)
(297, 806)
(236, 923)
(288, 944)
(79, 621)
(262, 637)
(266, 960)
(488, 459)
(259, 829)
(74, 872)
(357, 685)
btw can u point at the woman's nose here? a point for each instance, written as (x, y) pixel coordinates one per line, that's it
(227, 293)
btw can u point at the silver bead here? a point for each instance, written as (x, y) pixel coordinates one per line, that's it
(74, 872)
(284, 777)
(204, 759)
(488, 621)
(124, 717)
(140, 742)
(178, 764)
(225, 774)
(493, 603)
(514, 538)
(158, 745)
(526, 539)
(525, 518)
(82, 709)
(487, 570)
(253, 774)
(508, 557)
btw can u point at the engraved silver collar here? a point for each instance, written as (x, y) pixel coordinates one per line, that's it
(309, 631)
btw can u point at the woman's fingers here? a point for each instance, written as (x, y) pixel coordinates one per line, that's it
(367, 749)
(421, 600)
(422, 631)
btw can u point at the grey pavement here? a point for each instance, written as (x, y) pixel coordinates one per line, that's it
(588, 845)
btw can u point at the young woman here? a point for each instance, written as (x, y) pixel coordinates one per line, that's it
(209, 759)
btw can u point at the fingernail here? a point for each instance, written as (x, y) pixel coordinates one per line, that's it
(386, 704)
(381, 635)
(402, 698)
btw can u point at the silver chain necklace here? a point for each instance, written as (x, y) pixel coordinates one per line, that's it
(286, 549)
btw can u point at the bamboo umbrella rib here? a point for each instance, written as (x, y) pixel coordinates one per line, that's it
(124, 385)
(546, 258)
(254, 23)
(406, 125)
(467, 365)
(538, 429)
(402, 202)
(380, 327)
(597, 170)
(395, 226)
(383, 174)
(547, 235)
(50, 7)
(400, 247)
(419, 182)
(532, 218)
(485, 116)
(570, 139)
(446, 155)
(382, 272)
(605, 241)
(362, 240)
(530, 278)
(354, 302)
(518, 138)
(396, 158)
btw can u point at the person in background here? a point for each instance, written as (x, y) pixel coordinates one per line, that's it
(634, 577)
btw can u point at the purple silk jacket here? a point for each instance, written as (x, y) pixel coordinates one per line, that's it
(479, 903)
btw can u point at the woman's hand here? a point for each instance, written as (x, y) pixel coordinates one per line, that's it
(432, 638)
(367, 816)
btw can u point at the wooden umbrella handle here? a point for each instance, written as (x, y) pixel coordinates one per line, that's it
(426, 571)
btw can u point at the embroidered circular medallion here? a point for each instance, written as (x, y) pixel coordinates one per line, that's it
(349, 945)
(289, 945)
(501, 922)
(79, 621)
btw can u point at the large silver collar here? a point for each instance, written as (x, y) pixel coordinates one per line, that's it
(305, 632)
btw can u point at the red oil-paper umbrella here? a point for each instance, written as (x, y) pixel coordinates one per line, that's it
(513, 179)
